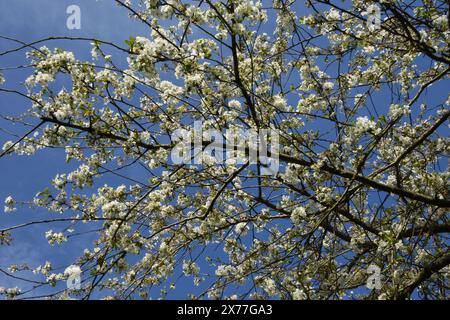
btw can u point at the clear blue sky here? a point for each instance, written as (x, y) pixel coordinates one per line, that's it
(23, 177)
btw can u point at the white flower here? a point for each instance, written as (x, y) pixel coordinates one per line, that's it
(190, 268)
(333, 14)
(328, 85)
(298, 214)
(399, 245)
(270, 286)
(382, 247)
(9, 205)
(396, 110)
(11, 293)
(45, 269)
(241, 228)
(9, 201)
(113, 208)
(72, 271)
(60, 181)
(298, 294)
(7, 145)
(53, 278)
(81, 177)
(120, 191)
(55, 237)
(224, 270)
(382, 296)
(369, 49)
(94, 52)
(422, 256)
(9, 209)
(145, 136)
(363, 124)
(279, 102)
(43, 78)
(234, 104)
(169, 91)
(440, 21)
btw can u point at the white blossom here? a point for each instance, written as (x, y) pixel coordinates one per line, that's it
(298, 215)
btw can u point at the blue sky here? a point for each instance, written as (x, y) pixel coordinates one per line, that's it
(22, 177)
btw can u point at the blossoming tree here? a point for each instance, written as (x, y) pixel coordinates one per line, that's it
(362, 178)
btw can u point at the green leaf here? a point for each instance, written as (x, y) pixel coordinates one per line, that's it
(44, 194)
(131, 42)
